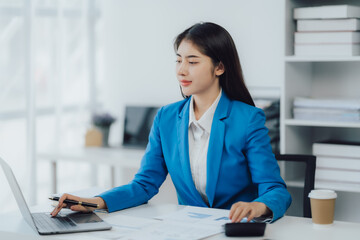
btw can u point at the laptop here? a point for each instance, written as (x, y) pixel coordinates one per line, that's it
(43, 223)
(137, 124)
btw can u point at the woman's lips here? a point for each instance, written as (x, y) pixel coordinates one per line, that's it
(185, 83)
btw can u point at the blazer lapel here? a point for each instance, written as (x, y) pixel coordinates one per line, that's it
(183, 147)
(216, 144)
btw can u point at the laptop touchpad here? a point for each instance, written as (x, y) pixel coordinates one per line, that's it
(80, 217)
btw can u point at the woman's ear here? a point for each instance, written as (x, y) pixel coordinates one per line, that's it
(219, 69)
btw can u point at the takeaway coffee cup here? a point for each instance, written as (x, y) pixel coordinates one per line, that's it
(322, 207)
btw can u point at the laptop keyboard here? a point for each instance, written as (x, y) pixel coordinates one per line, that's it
(47, 223)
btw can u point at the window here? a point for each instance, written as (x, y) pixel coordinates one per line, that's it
(48, 50)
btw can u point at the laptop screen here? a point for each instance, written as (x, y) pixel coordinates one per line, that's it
(19, 197)
(137, 124)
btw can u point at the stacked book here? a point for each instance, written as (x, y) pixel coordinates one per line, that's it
(327, 31)
(337, 161)
(346, 110)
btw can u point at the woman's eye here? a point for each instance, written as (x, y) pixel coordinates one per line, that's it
(192, 62)
(178, 61)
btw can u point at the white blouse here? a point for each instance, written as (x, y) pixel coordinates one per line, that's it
(199, 134)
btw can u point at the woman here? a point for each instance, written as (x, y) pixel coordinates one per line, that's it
(213, 143)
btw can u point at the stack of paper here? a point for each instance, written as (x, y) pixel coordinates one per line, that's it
(337, 161)
(185, 224)
(347, 110)
(327, 30)
(189, 223)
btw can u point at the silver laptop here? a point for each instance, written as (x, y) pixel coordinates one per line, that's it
(43, 223)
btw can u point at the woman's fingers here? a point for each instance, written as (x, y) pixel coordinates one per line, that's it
(250, 210)
(232, 211)
(251, 215)
(79, 208)
(73, 207)
(237, 213)
(57, 209)
(61, 203)
(244, 213)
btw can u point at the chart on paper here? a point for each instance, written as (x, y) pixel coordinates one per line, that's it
(199, 215)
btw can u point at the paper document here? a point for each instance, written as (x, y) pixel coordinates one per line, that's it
(122, 227)
(199, 215)
(175, 231)
(185, 224)
(335, 103)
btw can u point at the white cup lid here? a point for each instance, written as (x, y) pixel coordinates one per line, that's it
(322, 194)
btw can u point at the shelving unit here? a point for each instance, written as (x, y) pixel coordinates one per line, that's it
(316, 76)
(337, 186)
(321, 59)
(296, 122)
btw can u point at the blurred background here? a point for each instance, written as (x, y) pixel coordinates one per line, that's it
(62, 61)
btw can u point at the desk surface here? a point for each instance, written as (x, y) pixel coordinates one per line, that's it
(285, 228)
(125, 157)
(120, 157)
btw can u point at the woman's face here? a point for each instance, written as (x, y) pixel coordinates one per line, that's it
(195, 71)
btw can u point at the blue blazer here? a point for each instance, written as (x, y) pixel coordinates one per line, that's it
(240, 162)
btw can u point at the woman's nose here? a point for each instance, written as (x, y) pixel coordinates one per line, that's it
(181, 69)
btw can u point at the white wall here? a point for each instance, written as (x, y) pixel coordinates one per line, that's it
(139, 58)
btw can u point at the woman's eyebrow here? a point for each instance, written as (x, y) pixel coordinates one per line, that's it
(189, 56)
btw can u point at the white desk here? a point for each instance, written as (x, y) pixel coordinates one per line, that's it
(18, 236)
(126, 158)
(287, 228)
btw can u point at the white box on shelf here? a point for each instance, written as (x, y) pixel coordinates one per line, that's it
(327, 49)
(318, 25)
(327, 37)
(326, 114)
(326, 12)
(337, 149)
(344, 163)
(328, 103)
(338, 185)
(337, 175)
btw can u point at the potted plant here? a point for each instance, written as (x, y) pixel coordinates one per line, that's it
(103, 122)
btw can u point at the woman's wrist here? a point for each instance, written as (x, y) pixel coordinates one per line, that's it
(100, 202)
(96, 200)
(265, 210)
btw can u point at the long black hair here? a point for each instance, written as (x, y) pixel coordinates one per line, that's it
(215, 42)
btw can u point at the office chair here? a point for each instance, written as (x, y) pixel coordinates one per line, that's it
(310, 162)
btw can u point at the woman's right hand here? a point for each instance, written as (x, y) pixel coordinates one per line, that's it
(61, 204)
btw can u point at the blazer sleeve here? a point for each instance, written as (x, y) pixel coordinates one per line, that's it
(263, 166)
(147, 180)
